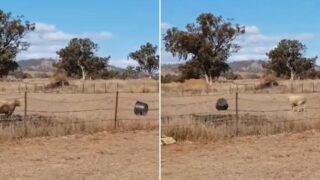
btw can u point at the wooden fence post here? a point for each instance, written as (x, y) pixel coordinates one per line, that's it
(313, 86)
(105, 87)
(25, 113)
(82, 87)
(116, 111)
(237, 114)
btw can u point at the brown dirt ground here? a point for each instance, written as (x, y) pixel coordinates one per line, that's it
(130, 155)
(282, 156)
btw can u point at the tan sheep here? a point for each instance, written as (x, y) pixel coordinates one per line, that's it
(297, 101)
(8, 107)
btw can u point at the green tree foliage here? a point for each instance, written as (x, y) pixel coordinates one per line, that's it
(287, 60)
(130, 73)
(12, 31)
(190, 70)
(206, 44)
(147, 58)
(78, 59)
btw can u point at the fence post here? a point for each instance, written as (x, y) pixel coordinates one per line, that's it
(302, 87)
(313, 86)
(116, 110)
(25, 113)
(82, 87)
(237, 114)
(105, 87)
(94, 88)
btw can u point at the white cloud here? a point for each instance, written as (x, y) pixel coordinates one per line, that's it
(165, 26)
(42, 27)
(46, 39)
(122, 63)
(254, 44)
(251, 29)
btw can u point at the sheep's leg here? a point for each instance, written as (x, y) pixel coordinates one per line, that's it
(6, 115)
(294, 108)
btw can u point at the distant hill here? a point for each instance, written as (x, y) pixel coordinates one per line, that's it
(252, 66)
(43, 65)
(46, 65)
(170, 69)
(115, 68)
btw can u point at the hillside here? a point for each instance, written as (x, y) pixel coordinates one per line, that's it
(250, 66)
(43, 65)
(46, 65)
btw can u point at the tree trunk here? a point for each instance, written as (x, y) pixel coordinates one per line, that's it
(208, 79)
(82, 70)
(292, 74)
(83, 73)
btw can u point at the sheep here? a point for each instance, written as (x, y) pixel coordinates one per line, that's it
(8, 107)
(297, 100)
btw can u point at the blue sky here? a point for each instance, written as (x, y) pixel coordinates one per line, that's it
(267, 21)
(118, 27)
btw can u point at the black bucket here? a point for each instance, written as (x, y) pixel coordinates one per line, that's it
(222, 104)
(140, 108)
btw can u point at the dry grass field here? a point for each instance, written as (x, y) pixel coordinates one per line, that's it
(103, 155)
(281, 156)
(198, 86)
(69, 131)
(66, 112)
(268, 112)
(270, 141)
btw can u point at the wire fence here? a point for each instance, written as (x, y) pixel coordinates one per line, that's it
(231, 87)
(72, 87)
(192, 109)
(92, 108)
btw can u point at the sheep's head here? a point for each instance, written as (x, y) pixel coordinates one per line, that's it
(16, 102)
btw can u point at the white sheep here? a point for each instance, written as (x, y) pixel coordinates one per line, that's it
(8, 107)
(296, 101)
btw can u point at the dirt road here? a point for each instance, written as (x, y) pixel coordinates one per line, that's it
(283, 156)
(132, 155)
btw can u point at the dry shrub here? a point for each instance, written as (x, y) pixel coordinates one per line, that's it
(133, 125)
(267, 81)
(59, 80)
(248, 126)
(38, 126)
(59, 76)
